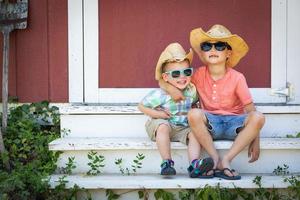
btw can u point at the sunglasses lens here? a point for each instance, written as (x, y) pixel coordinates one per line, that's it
(188, 72)
(220, 46)
(175, 74)
(205, 46)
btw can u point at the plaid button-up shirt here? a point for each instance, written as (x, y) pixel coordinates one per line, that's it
(159, 99)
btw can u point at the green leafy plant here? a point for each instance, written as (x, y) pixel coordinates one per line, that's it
(164, 195)
(281, 170)
(111, 195)
(31, 127)
(143, 194)
(70, 165)
(137, 164)
(186, 194)
(214, 193)
(60, 192)
(119, 163)
(96, 162)
(294, 188)
(292, 136)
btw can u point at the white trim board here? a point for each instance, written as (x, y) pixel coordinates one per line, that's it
(75, 51)
(135, 95)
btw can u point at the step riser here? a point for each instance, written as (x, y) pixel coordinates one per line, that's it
(269, 160)
(277, 125)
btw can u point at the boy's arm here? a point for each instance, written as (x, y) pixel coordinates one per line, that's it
(254, 149)
(156, 114)
(175, 93)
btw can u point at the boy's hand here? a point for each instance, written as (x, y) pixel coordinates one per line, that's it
(162, 114)
(176, 95)
(254, 150)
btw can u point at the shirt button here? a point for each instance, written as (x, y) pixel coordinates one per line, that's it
(214, 92)
(214, 98)
(214, 85)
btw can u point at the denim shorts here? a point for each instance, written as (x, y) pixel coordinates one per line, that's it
(225, 126)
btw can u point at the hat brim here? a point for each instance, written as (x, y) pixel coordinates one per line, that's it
(238, 45)
(161, 61)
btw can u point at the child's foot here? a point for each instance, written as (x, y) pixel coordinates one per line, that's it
(201, 168)
(167, 168)
(226, 171)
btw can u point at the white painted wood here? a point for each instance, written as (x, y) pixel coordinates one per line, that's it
(278, 44)
(114, 125)
(86, 144)
(293, 44)
(112, 109)
(269, 160)
(158, 182)
(104, 125)
(75, 50)
(135, 95)
(274, 152)
(91, 50)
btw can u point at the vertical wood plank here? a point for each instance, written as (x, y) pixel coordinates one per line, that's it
(75, 49)
(91, 50)
(58, 50)
(32, 55)
(12, 84)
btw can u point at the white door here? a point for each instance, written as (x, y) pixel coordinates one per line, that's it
(83, 18)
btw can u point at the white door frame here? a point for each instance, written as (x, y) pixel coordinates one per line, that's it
(84, 57)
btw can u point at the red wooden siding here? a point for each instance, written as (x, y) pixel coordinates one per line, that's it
(134, 32)
(39, 54)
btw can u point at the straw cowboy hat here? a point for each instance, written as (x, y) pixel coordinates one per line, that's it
(220, 33)
(174, 52)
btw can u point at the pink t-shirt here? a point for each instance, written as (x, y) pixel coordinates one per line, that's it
(226, 96)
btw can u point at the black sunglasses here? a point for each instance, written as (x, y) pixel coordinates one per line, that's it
(176, 73)
(219, 46)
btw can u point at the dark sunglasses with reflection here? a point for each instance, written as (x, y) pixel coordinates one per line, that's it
(219, 46)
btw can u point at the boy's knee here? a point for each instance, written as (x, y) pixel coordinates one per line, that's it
(196, 115)
(163, 128)
(257, 117)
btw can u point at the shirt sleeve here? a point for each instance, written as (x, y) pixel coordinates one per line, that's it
(153, 99)
(243, 91)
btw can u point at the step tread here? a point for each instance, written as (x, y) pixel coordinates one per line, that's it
(90, 143)
(155, 181)
(132, 109)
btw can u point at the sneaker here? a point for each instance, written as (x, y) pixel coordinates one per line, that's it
(167, 168)
(200, 167)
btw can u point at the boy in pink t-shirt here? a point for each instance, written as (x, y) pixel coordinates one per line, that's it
(227, 109)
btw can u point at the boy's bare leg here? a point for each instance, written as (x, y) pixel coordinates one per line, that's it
(198, 121)
(254, 122)
(194, 147)
(163, 141)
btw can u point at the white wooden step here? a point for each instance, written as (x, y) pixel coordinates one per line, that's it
(152, 181)
(274, 152)
(127, 121)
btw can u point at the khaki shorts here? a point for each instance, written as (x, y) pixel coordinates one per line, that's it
(178, 133)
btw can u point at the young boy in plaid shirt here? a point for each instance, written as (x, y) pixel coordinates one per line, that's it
(169, 118)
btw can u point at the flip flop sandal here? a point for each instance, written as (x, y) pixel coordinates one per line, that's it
(221, 174)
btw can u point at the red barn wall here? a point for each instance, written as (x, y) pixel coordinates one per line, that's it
(38, 63)
(133, 33)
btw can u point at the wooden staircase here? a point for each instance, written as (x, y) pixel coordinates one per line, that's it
(117, 132)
